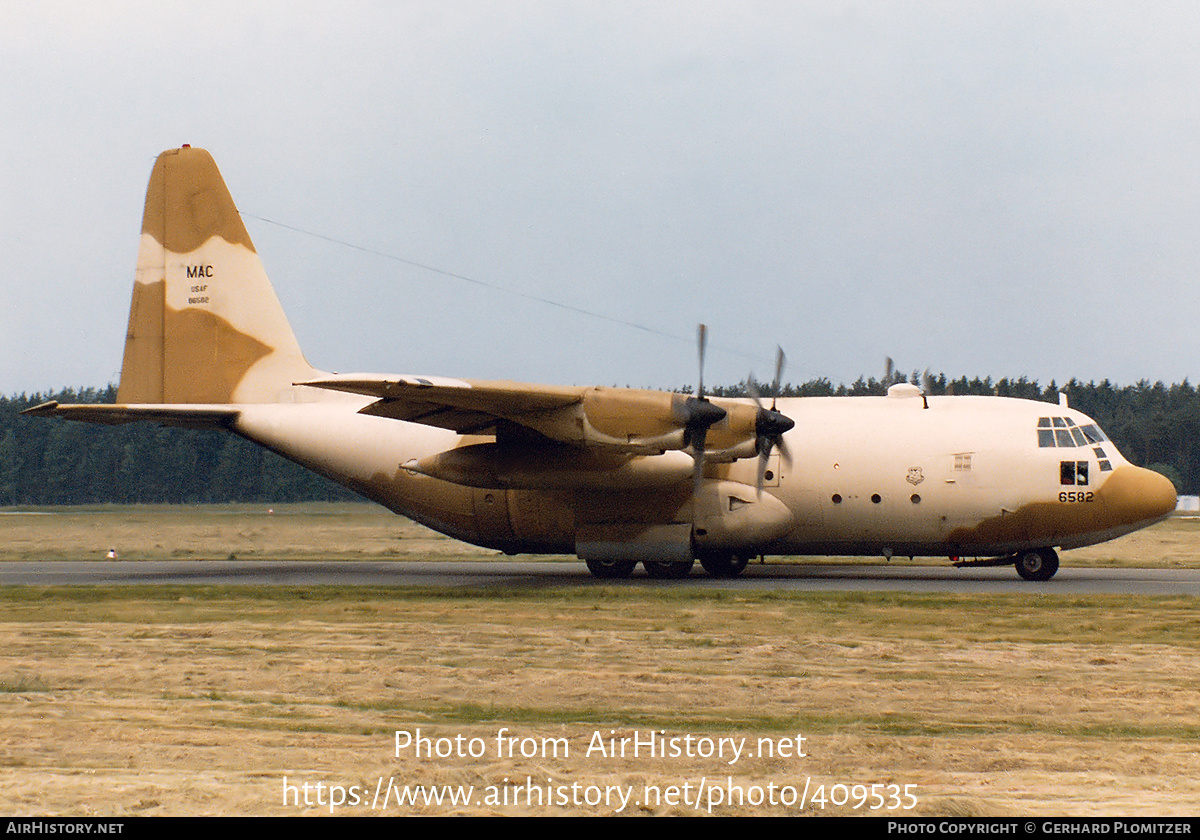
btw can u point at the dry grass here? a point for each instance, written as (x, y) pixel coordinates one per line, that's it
(206, 532)
(369, 532)
(201, 701)
(198, 700)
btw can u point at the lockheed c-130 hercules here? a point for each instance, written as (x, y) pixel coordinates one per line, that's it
(616, 476)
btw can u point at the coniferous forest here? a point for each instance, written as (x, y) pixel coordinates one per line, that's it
(56, 462)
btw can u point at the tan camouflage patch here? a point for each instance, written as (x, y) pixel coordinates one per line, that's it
(195, 207)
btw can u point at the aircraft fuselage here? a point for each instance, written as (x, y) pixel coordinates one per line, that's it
(868, 476)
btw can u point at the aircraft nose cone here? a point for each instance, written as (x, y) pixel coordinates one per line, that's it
(1140, 494)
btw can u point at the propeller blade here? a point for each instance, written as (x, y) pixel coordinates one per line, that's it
(780, 361)
(927, 381)
(700, 414)
(785, 454)
(698, 458)
(752, 390)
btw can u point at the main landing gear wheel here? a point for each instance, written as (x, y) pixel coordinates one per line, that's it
(668, 569)
(611, 569)
(724, 565)
(1037, 565)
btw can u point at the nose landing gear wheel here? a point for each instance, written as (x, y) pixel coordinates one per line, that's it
(1037, 565)
(724, 565)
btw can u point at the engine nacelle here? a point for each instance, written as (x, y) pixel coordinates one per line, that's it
(646, 422)
(551, 467)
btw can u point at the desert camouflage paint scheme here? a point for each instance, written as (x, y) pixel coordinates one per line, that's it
(616, 476)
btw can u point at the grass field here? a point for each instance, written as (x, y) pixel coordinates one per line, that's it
(369, 532)
(229, 700)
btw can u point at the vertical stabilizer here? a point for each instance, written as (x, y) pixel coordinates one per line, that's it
(205, 325)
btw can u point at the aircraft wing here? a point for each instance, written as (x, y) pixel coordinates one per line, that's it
(465, 407)
(186, 416)
(627, 420)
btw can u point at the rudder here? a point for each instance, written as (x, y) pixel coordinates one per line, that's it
(205, 325)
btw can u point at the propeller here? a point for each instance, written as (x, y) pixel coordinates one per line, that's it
(700, 415)
(770, 425)
(927, 383)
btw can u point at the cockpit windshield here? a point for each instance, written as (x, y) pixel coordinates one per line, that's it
(1063, 432)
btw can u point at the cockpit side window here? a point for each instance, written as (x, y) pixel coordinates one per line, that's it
(1073, 472)
(1066, 472)
(1092, 432)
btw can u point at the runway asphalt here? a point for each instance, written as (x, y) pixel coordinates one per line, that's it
(840, 577)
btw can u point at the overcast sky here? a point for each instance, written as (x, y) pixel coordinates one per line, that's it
(986, 188)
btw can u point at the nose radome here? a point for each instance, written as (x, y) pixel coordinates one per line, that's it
(1138, 494)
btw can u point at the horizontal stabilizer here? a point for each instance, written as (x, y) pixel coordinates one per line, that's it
(189, 417)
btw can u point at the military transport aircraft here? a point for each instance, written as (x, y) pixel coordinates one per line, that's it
(616, 476)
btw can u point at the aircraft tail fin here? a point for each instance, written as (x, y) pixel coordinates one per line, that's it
(205, 325)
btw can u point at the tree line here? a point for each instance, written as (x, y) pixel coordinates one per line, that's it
(56, 462)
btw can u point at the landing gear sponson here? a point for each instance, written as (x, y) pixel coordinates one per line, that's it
(1036, 565)
(717, 565)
